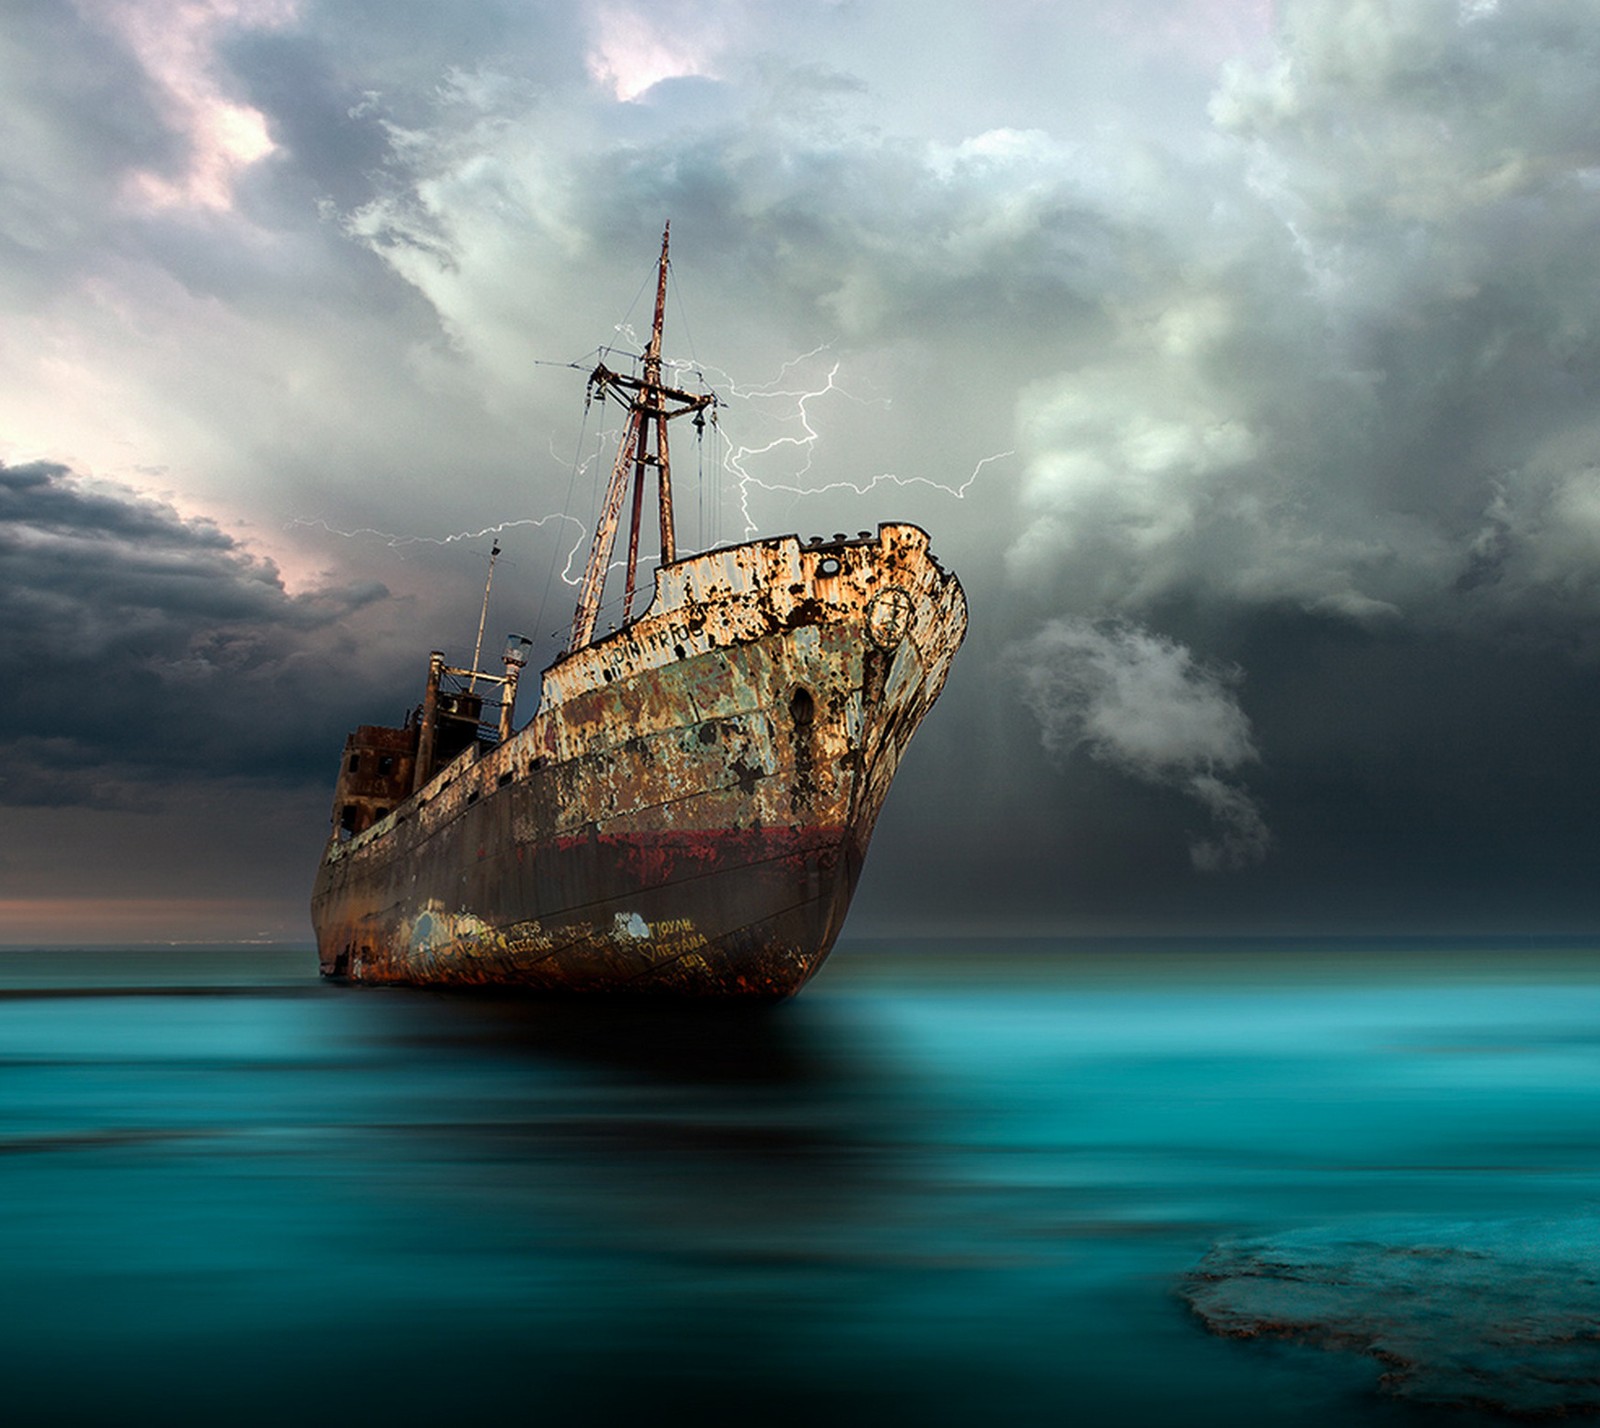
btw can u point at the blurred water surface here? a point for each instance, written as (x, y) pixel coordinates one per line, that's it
(952, 1183)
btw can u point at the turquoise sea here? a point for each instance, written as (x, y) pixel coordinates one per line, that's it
(952, 1183)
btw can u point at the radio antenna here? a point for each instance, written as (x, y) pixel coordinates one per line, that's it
(483, 616)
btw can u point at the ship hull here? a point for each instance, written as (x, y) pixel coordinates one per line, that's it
(689, 811)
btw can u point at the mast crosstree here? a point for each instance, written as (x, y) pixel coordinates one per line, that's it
(651, 405)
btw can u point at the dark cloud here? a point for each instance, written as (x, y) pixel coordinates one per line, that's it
(147, 649)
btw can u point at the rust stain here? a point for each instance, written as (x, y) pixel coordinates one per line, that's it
(689, 809)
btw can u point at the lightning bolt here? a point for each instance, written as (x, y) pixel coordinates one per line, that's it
(737, 459)
(396, 540)
(568, 574)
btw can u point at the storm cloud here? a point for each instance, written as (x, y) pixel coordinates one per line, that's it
(1242, 359)
(145, 647)
(1366, 386)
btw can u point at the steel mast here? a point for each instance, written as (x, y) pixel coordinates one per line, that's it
(651, 405)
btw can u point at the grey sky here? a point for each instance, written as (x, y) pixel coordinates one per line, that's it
(1261, 337)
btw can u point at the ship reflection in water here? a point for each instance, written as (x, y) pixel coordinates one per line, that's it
(942, 1187)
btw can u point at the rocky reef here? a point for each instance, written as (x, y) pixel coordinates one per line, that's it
(1499, 1316)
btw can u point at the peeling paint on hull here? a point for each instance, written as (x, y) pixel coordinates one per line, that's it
(689, 810)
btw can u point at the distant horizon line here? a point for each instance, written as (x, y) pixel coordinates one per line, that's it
(1124, 940)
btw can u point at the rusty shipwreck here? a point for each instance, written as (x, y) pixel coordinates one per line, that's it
(688, 810)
